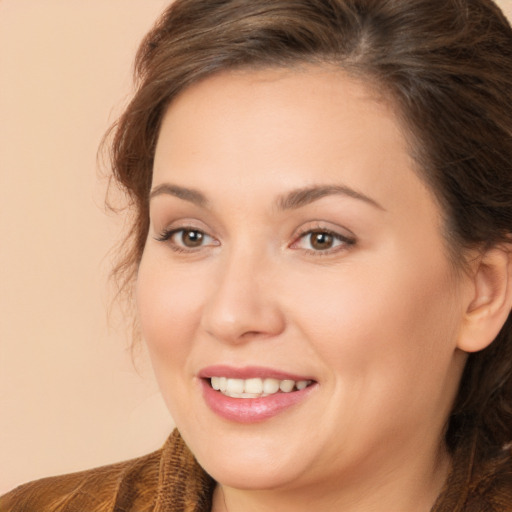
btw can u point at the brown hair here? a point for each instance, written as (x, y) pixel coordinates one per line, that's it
(446, 65)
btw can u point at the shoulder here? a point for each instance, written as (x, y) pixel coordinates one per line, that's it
(168, 479)
(125, 486)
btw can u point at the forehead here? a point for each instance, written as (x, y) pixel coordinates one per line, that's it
(262, 128)
(278, 96)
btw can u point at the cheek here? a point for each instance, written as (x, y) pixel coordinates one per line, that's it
(169, 310)
(383, 323)
(169, 314)
(387, 343)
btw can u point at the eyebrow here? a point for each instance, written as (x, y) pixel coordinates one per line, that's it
(292, 200)
(303, 196)
(187, 194)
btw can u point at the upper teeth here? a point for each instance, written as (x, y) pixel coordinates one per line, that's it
(256, 387)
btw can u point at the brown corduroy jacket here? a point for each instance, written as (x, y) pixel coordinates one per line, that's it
(170, 480)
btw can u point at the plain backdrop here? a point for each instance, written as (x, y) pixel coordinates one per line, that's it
(70, 396)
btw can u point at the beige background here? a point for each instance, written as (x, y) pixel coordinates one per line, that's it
(70, 397)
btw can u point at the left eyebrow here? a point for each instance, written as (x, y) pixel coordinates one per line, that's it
(187, 194)
(304, 196)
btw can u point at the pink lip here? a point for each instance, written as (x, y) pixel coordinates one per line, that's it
(250, 410)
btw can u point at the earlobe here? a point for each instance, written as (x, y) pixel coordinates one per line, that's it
(491, 299)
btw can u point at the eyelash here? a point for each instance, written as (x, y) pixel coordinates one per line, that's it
(345, 241)
(167, 235)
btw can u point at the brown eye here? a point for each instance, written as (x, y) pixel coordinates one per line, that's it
(191, 238)
(321, 240)
(184, 239)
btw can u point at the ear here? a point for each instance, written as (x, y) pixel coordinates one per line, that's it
(490, 299)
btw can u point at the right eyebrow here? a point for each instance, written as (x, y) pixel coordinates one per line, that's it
(187, 194)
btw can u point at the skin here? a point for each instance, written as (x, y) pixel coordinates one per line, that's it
(376, 321)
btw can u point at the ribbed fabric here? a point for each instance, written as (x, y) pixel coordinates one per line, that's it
(170, 480)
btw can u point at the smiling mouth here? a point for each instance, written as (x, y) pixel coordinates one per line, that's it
(256, 387)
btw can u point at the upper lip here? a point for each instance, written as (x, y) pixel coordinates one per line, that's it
(248, 372)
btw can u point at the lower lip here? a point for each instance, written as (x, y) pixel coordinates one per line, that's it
(251, 410)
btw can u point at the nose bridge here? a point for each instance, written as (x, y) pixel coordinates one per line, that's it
(242, 304)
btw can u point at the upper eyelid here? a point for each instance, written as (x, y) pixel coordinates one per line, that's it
(179, 224)
(322, 226)
(167, 221)
(323, 230)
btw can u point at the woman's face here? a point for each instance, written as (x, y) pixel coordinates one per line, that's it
(293, 246)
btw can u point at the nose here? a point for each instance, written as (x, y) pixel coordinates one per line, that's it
(243, 304)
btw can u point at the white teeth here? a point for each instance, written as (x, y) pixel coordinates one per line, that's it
(256, 387)
(302, 384)
(253, 386)
(286, 385)
(216, 383)
(235, 386)
(270, 386)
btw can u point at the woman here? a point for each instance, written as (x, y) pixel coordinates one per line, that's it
(320, 257)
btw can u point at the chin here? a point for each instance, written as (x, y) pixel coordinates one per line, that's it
(243, 475)
(248, 461)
